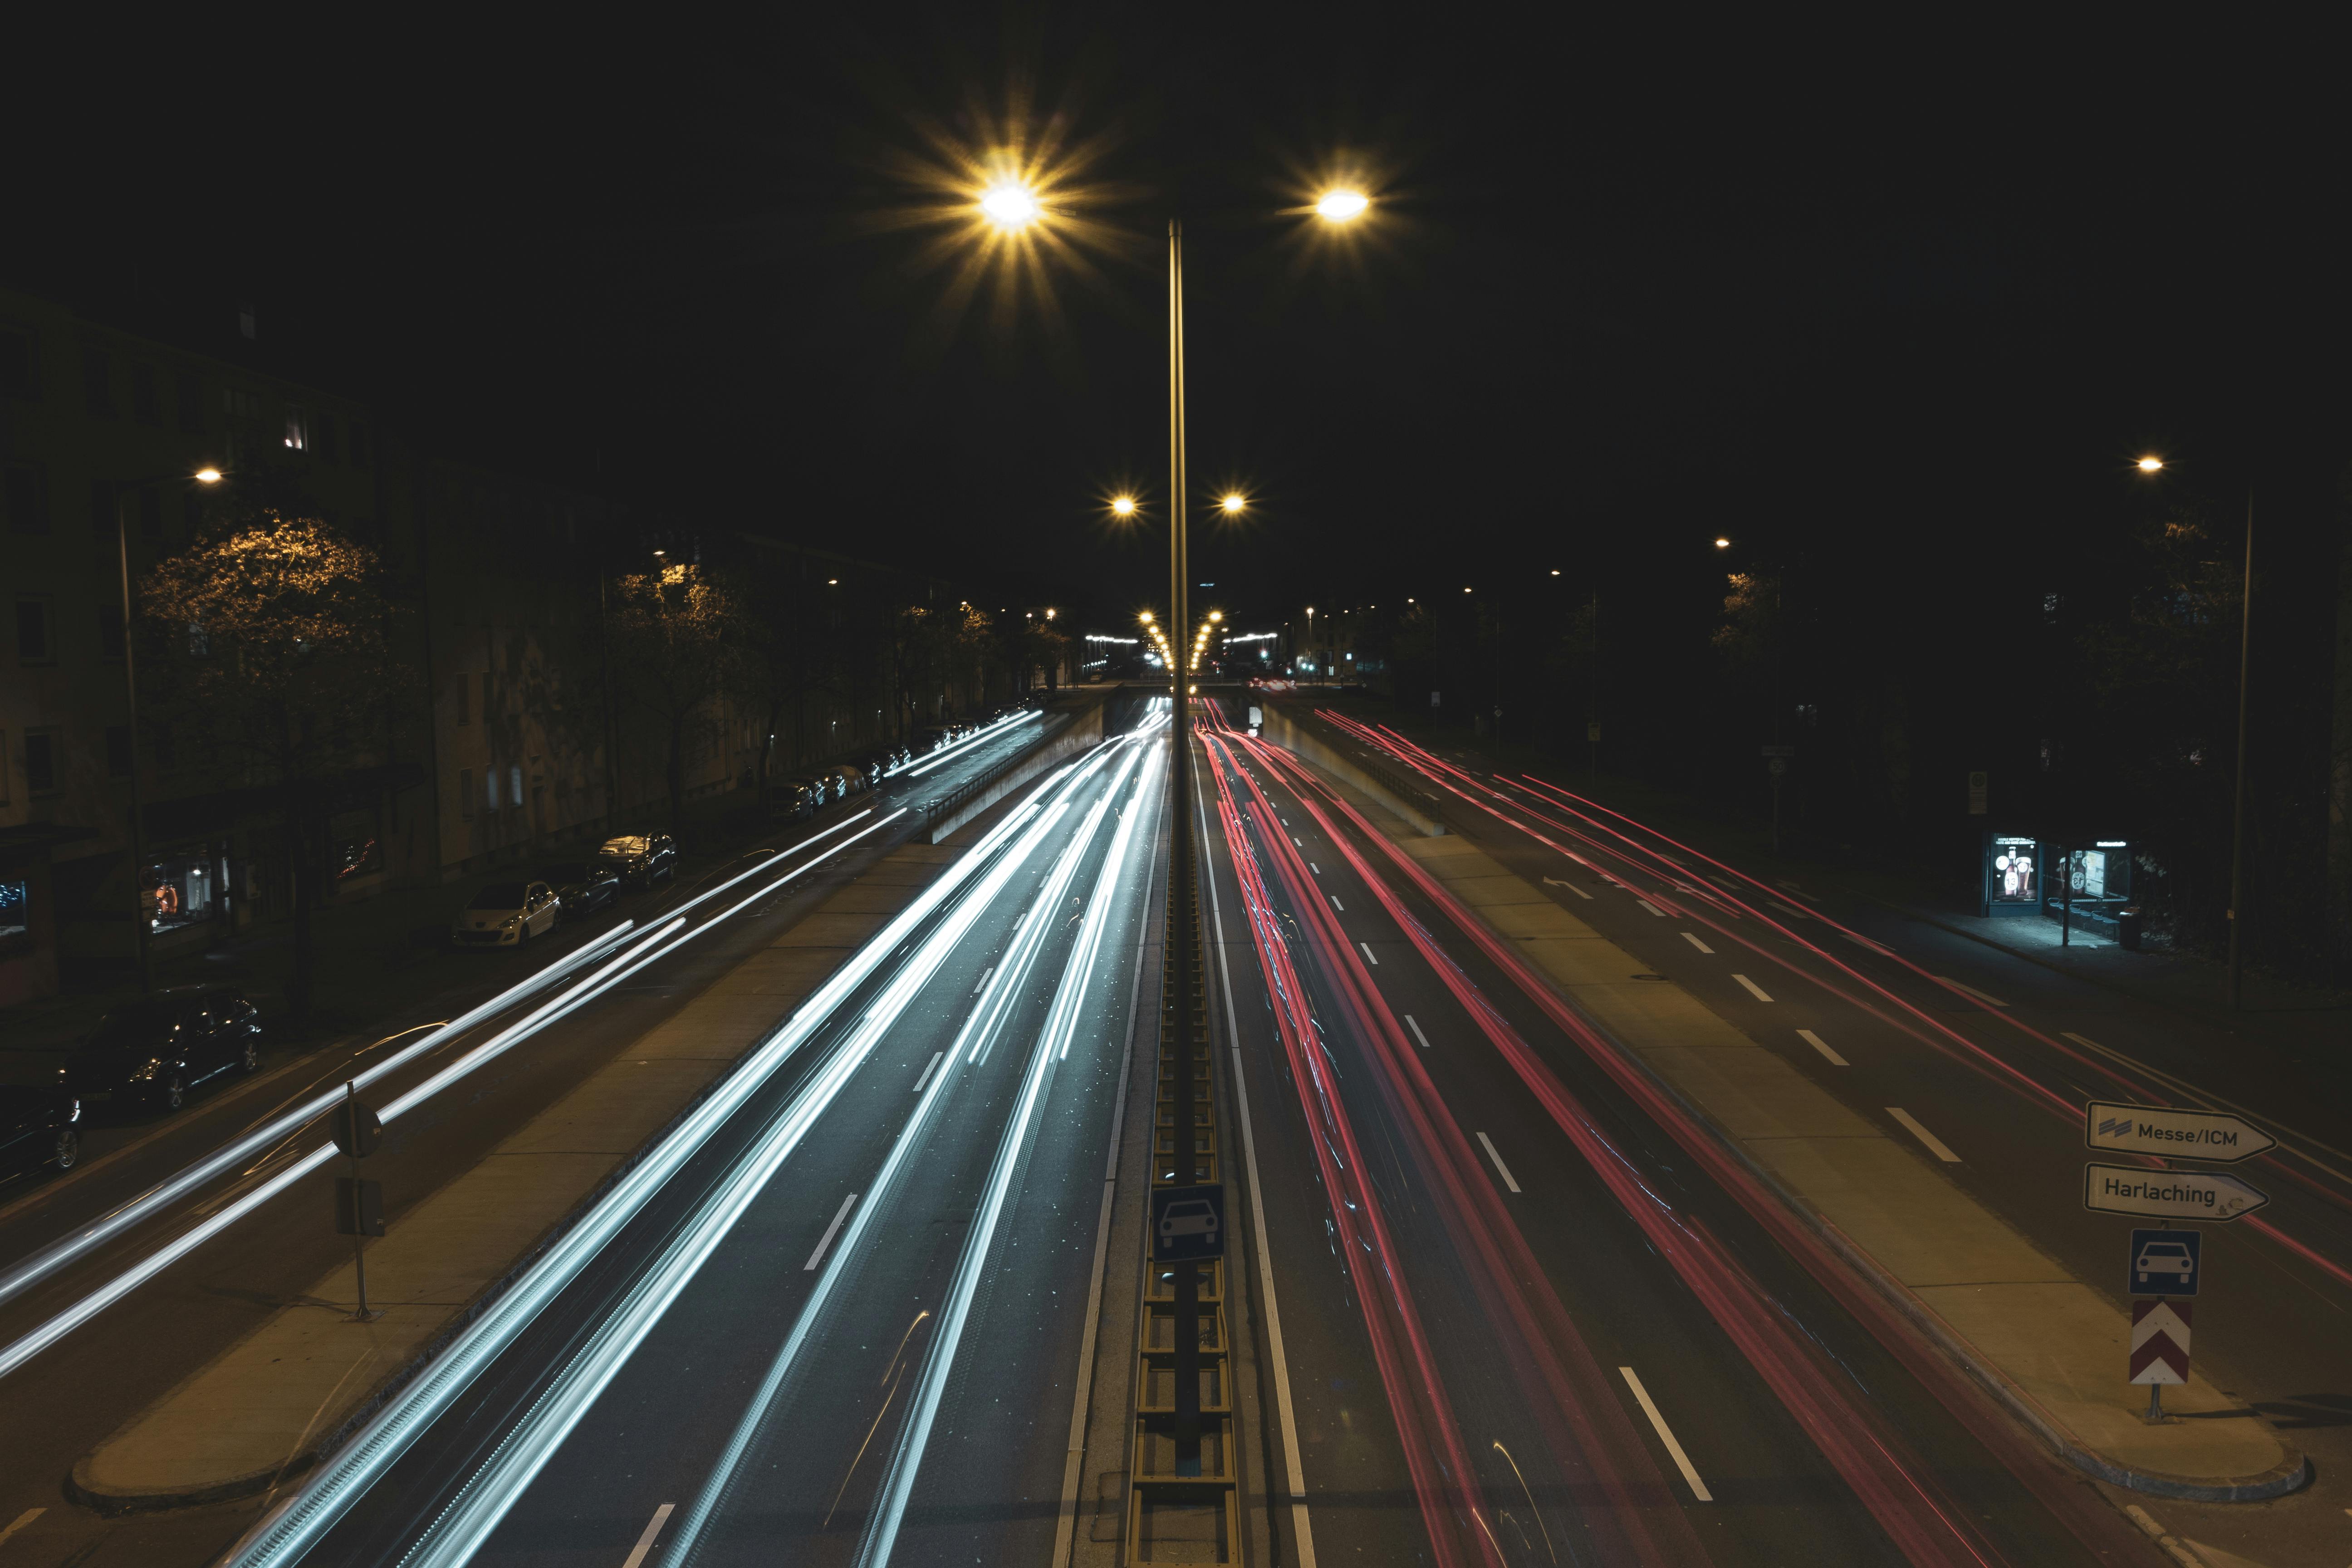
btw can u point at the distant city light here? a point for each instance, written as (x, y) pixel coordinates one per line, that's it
(1723, 544)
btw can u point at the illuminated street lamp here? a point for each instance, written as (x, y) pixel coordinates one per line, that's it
(1010, 206)
(140, 923)
(1122, 506)
(1232, 503)
(1342, 205)
(2150, 464)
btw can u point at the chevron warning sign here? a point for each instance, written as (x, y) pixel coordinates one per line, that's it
(2159, 1341)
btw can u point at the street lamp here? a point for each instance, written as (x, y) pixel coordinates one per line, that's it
(1342, 205)
(1122, 506)
(204, 475)
(1232, 503)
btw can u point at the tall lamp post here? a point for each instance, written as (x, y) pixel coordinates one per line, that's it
(139, 921)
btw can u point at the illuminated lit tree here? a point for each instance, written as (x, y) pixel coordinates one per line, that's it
(676, 636)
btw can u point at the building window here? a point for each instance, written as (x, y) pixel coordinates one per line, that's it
(17, 378)
(40, 763)
(465, 701)
(109, 630)
(359, 445)
(15, 910)
(146, 403)
(101, 512)
(28, 491)
(355, 846)
(491, 784)
(466, 793)
(297, 431)
(191, 402)
(34, 642)
(98, 384)
(181, 889)
(118, 751)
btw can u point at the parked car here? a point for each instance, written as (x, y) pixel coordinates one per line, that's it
(851, 779)
(158, 1049)
(929, 739)
(641, 857)
(39, 1125)
(506, 914)
(791, 799)
(582, 887)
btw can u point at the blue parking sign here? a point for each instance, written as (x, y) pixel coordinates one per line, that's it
(2163, 1263)
(1187, 1224)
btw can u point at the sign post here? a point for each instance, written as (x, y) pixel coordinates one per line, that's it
(1777, 765)
(358, 1204)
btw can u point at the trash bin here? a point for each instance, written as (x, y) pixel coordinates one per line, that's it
(2127, 929)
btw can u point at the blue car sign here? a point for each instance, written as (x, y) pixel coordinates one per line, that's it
(2163, 1263)
(1187, 1224)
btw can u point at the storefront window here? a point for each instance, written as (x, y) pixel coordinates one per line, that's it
(181, 890)
(354, 848)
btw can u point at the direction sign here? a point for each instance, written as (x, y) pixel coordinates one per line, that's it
(2159, 1341)
(1187, 1224)
(2169, 1194)
(2176, 1134)
(2163, 1263)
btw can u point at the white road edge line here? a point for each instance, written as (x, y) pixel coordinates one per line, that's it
(932, 1068)
(1666, 1436)
(830, 1231)
(1936, 1145)
(21, 1520)
(1821, 1045)
(1368, 954)
(1500, 1169)
(1695, 941)
(652, 1534)
(1299, 1525)
(1989, 1001)
(1753, 989)
(1416, 1031)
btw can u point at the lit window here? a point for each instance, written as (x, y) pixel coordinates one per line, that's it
(297, 431)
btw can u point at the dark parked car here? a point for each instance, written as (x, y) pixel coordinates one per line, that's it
(583, 885)
(38, 1126)
(641, 857)
(157, 1049)
(791, 799)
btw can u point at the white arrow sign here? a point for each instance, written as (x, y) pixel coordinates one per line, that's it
(2169, 1194)
(2179, 1134)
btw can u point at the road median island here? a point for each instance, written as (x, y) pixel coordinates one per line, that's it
(272, 1405)
(2047, 1347)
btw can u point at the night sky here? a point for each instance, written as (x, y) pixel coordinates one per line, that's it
(1899, 302)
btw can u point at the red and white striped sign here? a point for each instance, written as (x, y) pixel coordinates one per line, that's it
(2159, 1341)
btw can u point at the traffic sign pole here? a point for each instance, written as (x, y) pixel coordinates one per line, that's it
(357, 1136)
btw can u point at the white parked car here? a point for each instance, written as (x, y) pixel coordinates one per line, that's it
(506, 914)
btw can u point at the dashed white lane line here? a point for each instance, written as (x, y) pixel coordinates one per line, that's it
(1296, 840)
(830, 1231)
(1368, 954)
(1821, 1045)
(931, 1068)
(1989, 1001)
(1936, 1145)
(21, 1520)
(1753, 989)
(1416, 1031)
(984, 979)
(1698, 944)
(1650, 907)
(1790, 908)
(1666, 1436)
(1556, 882)
(1879, 948)
(652, 1534)
(1337, 904)
(1500, 1169)
(1314, 868)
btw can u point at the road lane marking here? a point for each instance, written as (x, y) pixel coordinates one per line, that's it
(1973, 991)
(1500, 1169)
(645, 1541)
(1864, 941)
(1698, 944)
(1666, 1436)
(830, 1231)
(984, 979)
(1650, 907)
(1753, 989)
(1936, 1145)
(1556, 882)
(1821, 1045)
(1367, 952)
(1314, 868)
(928, 1071)
(22, 1519)
(1337, 904)
(1416, 1031)
(1295, 839)
(1790, 908)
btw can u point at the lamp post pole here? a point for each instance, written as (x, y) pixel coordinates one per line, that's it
(1182, 948)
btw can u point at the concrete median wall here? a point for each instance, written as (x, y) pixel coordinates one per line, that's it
(1083, 734)
(1292, 736)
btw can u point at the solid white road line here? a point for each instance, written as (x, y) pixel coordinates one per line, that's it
(1821, 1045)
(1753, 989)
(1368, 954)
(652, 1534)
(1500, 1169)
(1299, 1525)
(1416, 1031)
(1337, 904)
(1666, 1436)
(1936, 1145)
(1972, 991)
(830, 1231)
(21, 1520)
(1650, 907)
(1698, 944)
(1579, 892)
(933, 1067)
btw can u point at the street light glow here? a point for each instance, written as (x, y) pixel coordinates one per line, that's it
(1010, 205)
(2149, 463)
(1122, 506)
(1342, 206)
(1232, 502)
(208, 476)
(1723, 544)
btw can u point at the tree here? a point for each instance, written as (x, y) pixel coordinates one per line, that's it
(676, 634)
(272, 631)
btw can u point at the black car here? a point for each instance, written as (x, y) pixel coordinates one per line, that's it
(38, 1126)
(583, 885)
(641, 857)
(157, 1049)
(788, 800)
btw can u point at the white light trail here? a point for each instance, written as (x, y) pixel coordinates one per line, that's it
(951, 753)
